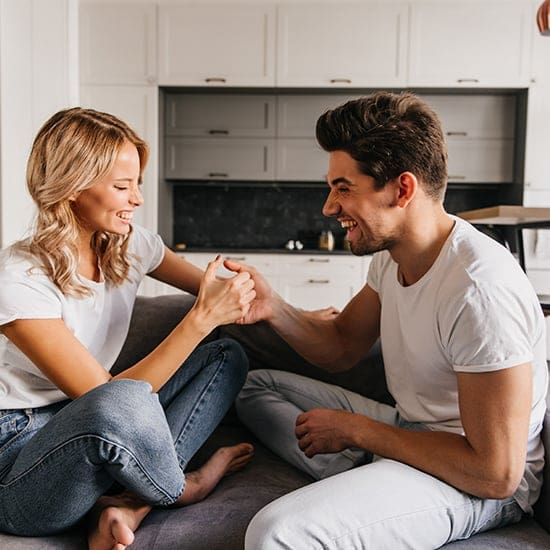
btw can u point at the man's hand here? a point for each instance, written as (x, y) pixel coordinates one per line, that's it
(261, 307)
(324, 431)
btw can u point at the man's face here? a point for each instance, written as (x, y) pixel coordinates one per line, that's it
(365, 212)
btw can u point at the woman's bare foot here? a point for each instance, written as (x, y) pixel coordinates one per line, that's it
(114, 519)
(226, 460)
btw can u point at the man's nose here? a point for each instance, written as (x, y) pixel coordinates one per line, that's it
(331, 206)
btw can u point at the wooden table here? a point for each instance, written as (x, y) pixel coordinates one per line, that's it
(515, 217)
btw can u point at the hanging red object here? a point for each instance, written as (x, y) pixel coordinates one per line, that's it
(543, 18)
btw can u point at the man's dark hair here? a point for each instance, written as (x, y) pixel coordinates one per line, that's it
(388, 134)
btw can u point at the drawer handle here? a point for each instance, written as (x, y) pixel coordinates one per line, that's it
(340, 81)
(215, 79)
(218, 132)
(319, 281)
(467, 80)
(457, 177)
(457, 133)
(236, 258)
(320, 261)
(218, 175)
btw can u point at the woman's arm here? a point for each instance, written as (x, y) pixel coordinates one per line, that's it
(176, 271)
(52, 347)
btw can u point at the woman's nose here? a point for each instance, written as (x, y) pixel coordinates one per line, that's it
(136, 197)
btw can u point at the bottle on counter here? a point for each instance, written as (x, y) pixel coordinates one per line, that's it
(326, 240)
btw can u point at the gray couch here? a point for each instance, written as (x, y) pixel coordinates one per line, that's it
(219, 522)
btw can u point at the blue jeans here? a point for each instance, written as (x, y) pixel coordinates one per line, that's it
(360, 500)
(56, 461)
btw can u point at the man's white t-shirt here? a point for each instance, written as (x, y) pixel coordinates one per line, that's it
(473, 311)
(100, 321)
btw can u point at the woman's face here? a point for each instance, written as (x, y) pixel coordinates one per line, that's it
(109, 205)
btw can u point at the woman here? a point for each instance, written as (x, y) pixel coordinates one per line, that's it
(69, 431)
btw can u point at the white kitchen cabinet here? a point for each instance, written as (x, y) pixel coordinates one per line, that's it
(480, 134)
(138, 107)
(118, 43)
(342, 44)
(470, 43)
(219, 115)
(219, 159)
(300, 160)
(480, 160)
(313, 282)
(215, 44)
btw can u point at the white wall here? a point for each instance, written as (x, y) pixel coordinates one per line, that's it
(38, 76)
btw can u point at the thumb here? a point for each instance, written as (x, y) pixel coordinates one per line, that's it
(234, 266)
(212, 268)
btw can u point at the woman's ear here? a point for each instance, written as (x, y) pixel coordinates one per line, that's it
(407, 188)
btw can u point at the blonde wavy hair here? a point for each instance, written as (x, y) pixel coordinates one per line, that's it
(72, 151)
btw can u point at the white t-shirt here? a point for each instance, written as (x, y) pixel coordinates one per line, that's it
(100, 322)
(473, 311)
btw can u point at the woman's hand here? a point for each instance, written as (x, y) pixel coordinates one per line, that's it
(224, 301)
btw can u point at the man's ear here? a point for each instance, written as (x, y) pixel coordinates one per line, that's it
(407, 188)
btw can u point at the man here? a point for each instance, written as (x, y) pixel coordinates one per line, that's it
(463, 341)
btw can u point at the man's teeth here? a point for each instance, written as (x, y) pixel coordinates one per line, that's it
(347, 224)
(125, 215)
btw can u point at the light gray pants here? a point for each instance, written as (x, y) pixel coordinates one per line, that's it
(361, 501)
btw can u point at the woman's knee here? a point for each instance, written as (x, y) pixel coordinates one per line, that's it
(117, 407)
(234, 357)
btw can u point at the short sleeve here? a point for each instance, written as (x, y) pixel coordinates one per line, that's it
(23, 296)
(377, 268)
(147, 247)
(492, 328)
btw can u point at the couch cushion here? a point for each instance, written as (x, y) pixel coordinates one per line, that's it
(525, 535)
(542, 507)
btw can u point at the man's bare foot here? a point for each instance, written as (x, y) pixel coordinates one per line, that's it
(114, 520)
(226, 460)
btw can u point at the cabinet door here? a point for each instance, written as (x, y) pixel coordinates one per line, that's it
(469, 43)
(320, 281)
(219, 159)
(342, 44)
(490, 116)
(480, 160)
(297, 114)
(117, 43)
(220, 115)
(138, 107)
(300, 160)
(217, 44)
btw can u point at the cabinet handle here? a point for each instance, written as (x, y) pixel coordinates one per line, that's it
(467, 80)
(236, 258)
(457, 177)
(219, 132)
(457, 133)
(218, 175)
(340, 81)
(318, 281)
(215, 79)
(320, 260)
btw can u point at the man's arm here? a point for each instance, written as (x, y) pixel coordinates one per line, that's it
(334, 344)
(488, 461)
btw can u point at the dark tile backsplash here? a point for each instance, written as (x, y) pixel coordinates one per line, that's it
(234, 216)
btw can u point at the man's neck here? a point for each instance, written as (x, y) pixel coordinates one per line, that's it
(422, 242)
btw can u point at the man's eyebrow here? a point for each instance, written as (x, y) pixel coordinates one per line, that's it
(341, 179)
